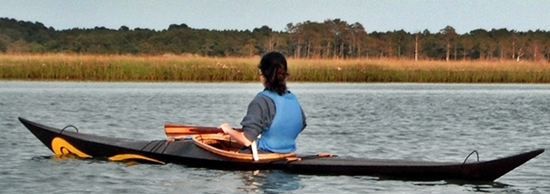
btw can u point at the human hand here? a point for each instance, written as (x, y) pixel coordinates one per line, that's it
(225, 128)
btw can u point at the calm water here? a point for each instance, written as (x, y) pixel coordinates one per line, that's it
(430, 122)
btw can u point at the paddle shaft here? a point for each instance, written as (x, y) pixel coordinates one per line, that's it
(172, 129)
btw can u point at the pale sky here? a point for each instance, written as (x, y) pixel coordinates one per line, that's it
(375, 15)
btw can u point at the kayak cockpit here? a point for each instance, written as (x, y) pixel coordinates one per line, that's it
(223, 145)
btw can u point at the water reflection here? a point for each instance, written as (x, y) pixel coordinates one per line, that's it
(269, 181)
(484, 187)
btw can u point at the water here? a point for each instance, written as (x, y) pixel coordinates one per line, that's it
(429, 122)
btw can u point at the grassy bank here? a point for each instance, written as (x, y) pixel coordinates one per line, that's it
(193, 68)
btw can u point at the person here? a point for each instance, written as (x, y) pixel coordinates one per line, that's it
(275, 113)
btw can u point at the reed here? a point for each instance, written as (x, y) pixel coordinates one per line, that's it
(81, 67)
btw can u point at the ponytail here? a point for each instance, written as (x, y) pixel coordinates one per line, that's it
(273, 67)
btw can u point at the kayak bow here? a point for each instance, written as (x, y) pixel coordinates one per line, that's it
(188, 152)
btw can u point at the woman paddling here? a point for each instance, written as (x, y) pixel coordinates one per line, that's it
(274, 113)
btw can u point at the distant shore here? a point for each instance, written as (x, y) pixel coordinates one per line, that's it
(76, 67)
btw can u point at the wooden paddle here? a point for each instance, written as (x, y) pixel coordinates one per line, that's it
(173, 130)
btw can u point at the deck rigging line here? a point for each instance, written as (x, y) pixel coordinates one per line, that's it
(475, 151)
(61, 132)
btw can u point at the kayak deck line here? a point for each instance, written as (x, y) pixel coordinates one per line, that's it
(189, 153)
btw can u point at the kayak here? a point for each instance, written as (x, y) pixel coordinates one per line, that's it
(208, 152)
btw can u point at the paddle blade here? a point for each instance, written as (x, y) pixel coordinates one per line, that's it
(181, 130)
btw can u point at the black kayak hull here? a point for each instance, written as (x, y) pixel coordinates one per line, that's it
(187, 153)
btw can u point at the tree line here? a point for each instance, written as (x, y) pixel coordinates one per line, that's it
(331, 39)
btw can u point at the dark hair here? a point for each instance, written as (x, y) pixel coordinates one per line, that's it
(274, 69)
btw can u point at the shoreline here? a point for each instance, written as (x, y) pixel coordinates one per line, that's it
(172, 68)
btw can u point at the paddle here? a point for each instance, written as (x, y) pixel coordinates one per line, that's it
(172, 129)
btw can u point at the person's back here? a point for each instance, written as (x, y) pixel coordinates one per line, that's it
(288, 122)
(275, 113)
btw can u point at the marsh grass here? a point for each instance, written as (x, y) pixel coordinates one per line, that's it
(194, 68)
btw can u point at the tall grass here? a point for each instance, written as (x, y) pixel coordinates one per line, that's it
(194, 68)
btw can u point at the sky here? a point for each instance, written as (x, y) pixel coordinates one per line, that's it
(375, 15)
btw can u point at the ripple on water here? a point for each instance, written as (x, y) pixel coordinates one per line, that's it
(431, 122)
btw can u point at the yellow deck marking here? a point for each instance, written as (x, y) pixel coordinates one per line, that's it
(121, 157)
(62, 147)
